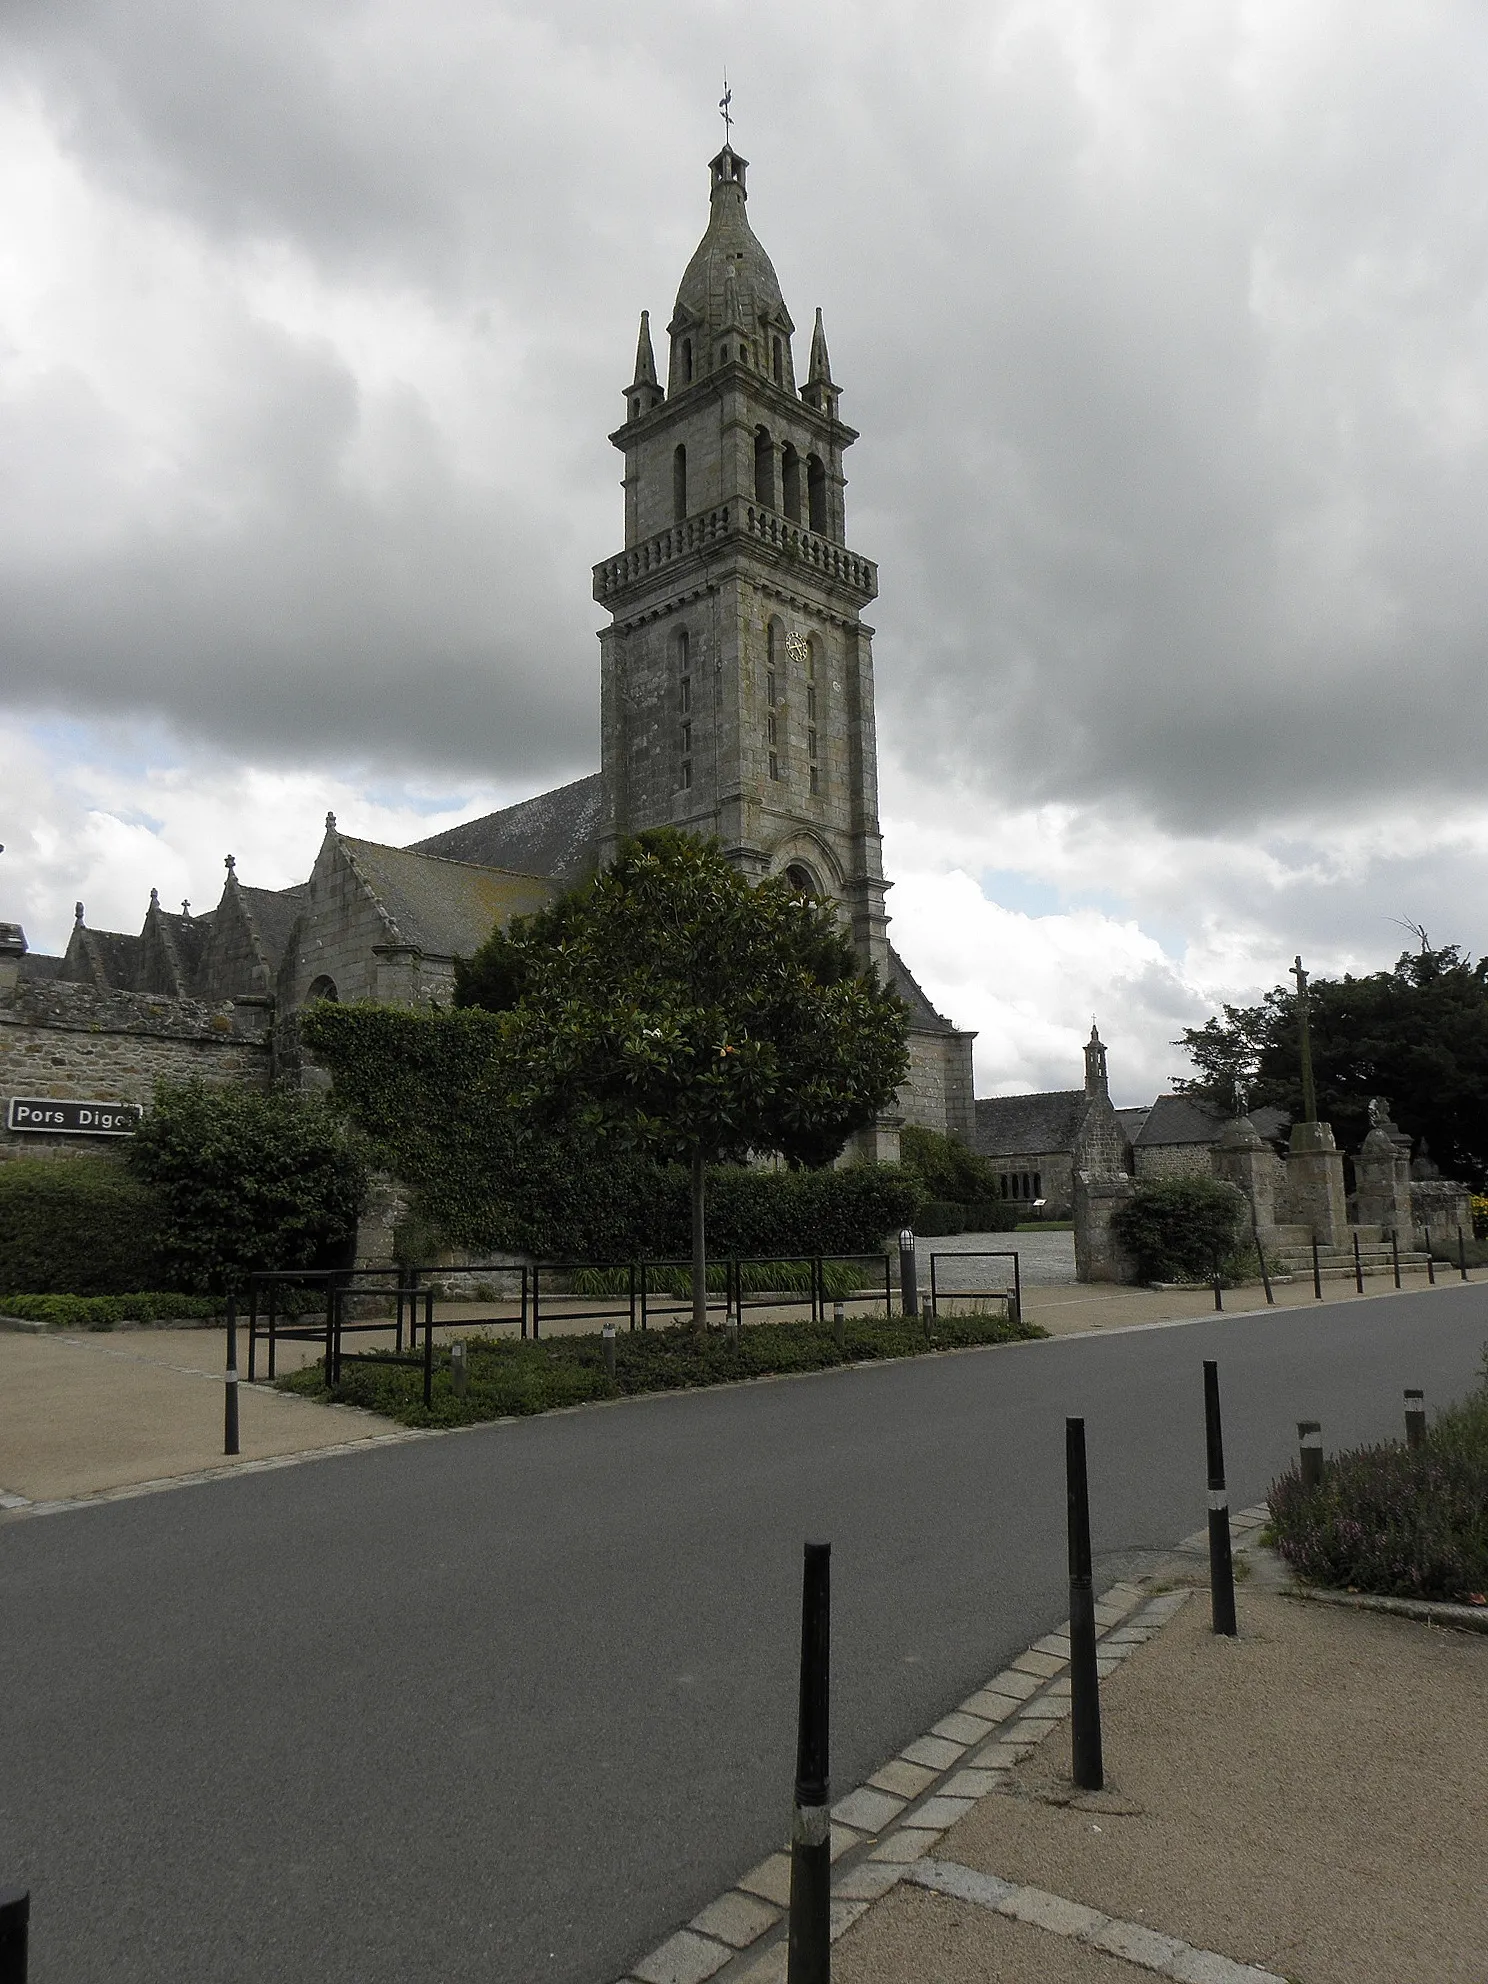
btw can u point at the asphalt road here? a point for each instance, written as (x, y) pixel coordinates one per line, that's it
(511, 1704)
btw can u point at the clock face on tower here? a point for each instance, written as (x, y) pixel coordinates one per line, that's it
(798, 648)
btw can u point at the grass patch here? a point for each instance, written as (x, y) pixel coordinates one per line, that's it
(1392, 1521)
(106, 1312)
(510, 1378)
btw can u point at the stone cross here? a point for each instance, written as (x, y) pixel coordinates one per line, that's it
(1304, 1041)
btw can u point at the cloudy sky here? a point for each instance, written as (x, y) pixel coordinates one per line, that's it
(1164, 327)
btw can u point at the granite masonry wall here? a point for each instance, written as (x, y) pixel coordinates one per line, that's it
(74, 1042)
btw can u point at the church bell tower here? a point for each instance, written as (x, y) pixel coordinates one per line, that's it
(736, 673)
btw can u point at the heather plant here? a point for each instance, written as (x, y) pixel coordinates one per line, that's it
(1398, 1522)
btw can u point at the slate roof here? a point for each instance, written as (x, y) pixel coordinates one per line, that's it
(37, 964)
(1272, 1124)
(445, 908)
(1029, 1125)
(922, 1015)
(1179, 1119)
(275, 913)
(1131, 1120)
(118, 956)
(556, 834)
(189, 936)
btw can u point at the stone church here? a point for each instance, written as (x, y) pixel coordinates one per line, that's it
(736, 697)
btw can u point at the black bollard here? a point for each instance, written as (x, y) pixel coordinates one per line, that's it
(1310, 1434)
(230, 1390)
(1221, 1558)
(1358, 1264)
(607, 1338)
(1415, 1418)
(1317, 1272)
(1395, 1254)
(15, 1919)
(809, 1956)
(1461, 1254)
(1265, 1274)
(1430, 1260)
(1218, 1298)
(1085, 1730)
(909, 1277)
(839, 1326)
(460, 1366)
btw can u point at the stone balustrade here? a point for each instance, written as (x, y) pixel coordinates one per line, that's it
(733, 521)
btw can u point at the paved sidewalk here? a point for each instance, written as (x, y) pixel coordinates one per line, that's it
(1070, 1311)
(85, 1415)
(1305, 1802)
(1301, 1805)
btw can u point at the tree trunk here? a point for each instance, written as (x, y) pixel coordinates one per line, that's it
(699, 1246)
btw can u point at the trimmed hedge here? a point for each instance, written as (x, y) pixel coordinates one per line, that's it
(78, 1226)
(106, 1312)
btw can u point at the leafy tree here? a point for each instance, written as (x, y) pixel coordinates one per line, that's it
(945, 1167)
(1181, 1229)
(1417, 1034)
(246, 1181)
(670, 1007)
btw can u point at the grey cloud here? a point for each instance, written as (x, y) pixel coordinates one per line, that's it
(1168, 380)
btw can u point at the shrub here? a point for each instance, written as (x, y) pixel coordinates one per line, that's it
(945, 1167)
(78, 1226)
(1390, 1520)
(245, 1181)
(1182, 1229)
(106, 1312)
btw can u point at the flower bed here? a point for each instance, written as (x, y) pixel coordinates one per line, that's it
(1396, 1522)
(509, 1377)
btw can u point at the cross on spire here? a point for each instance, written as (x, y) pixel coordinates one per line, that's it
(725, 110)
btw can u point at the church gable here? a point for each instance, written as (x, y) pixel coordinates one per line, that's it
(387, 923)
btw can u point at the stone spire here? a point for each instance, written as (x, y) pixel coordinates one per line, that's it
(818, 390)
(643, 393)
(1095, 1065)
(645, 372)
(820, 371)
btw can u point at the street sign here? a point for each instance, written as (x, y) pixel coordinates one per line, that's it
(73, 1119)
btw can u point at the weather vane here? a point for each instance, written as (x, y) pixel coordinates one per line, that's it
(725, 110)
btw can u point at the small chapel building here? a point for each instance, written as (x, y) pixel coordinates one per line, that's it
(736, 702)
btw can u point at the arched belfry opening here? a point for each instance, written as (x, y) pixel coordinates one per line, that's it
(816, 490)
(790, 482)
(764, 469)
(802, 880)
(679, 484)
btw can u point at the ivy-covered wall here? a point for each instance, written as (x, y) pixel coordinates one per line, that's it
(427, 1089)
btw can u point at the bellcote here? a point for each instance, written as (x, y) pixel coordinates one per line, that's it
(1095, 1065)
